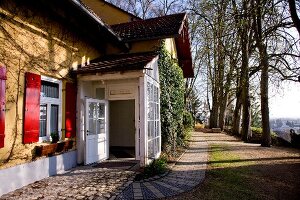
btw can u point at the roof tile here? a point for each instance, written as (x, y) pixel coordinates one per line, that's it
(122, 62)
(159, 27)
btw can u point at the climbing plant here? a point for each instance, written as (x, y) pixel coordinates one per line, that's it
(171, 101)
(31, 41)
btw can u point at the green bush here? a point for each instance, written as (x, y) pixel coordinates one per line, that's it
(256, 130)
(257, 134)
(188, 121)
(54, 137)
(156, 167)
(171, 101)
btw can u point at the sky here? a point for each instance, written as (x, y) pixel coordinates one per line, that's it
(285, 102)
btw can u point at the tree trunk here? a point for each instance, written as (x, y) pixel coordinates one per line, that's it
(223, 106)
(245, 87)
(266, 136)
(225, 95)
(246, 134)
(237, 117)
(244, 30)
(213, 119)
(294, 15)
(236, 121)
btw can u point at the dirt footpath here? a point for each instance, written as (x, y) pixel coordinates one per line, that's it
(273, 172)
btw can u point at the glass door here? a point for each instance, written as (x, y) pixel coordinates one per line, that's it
(96, 130)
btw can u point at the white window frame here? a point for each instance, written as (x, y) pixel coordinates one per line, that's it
(52, 101)
(157, 138)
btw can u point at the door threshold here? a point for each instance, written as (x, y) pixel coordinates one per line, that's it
(132, 165)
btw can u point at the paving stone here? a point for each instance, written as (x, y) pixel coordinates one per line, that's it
(84, 182)
(112, 198)
(87, 182)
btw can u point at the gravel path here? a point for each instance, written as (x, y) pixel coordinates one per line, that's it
(188, 172)
(85, 182)
(92, 182)
(274, 172)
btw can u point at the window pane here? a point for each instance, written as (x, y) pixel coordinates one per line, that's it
(43, 120)
(101, 125)
(151, 149)
(101, 111)
(151, 92)
(50, 89)
(92, 110)
(92, 126)
(149, 129)
(148, 90)
(157, 111)
(54, 119)
(155, 99)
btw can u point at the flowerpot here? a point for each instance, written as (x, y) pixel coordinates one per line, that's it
(49, 150)
(45, 150)
(69, 144)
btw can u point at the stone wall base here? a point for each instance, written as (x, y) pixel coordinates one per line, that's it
(18, 176)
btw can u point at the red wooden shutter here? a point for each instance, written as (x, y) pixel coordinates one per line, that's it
(70, 110)
(32, 108)
(2, 104)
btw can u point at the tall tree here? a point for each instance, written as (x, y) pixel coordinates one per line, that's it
(264, 64)
(294, 15)
(243, 24)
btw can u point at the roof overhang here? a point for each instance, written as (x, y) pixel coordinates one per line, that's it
(118, 63)
(85, 21)
(90, 14)
(183, 48)
(159, 28)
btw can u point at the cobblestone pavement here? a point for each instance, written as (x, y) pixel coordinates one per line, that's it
(188, 172)
(84, 182)
(88, 182)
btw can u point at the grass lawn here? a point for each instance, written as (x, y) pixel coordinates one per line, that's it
(237, 170)
(226, 177)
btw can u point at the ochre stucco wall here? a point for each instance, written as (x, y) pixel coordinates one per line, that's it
(32, 42)
(153, 45)
(171, 47)
(108, 13)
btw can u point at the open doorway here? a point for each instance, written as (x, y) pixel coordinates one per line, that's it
(122, 129)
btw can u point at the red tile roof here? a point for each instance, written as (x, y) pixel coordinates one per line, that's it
(169, 26)
(122, 62)
(154, 28)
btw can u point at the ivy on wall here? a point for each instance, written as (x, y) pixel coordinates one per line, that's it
(171, 101)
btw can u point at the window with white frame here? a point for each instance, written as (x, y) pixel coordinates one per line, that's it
(153, 120)
(50, 107)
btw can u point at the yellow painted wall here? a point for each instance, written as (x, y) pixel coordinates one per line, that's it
(31, 42)
(153, 45)
(171, 47)
(144, 46)
(108, 13)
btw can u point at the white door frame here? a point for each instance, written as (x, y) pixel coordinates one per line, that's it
(133, 94)
(99, 137)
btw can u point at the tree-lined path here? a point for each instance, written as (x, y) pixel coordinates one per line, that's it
(238, 170)
(215, 166)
